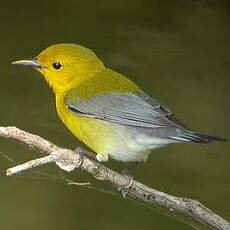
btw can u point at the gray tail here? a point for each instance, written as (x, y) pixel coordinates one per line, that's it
(190, 136)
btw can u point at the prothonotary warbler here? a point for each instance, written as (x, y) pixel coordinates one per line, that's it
(106, 110)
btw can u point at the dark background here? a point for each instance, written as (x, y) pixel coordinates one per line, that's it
(177, 51)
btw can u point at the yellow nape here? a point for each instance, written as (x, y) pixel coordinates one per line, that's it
(66, 65)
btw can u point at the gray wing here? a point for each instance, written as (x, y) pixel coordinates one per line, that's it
(138, 110)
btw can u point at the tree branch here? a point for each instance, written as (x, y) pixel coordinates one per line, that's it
(68, 160)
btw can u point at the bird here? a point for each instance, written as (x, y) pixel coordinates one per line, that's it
(106, 110)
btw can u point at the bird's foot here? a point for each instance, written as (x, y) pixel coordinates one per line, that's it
(80, 151)
(126, 173)
(83, 152)
(125, 190)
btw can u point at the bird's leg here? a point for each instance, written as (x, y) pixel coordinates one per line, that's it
(82, 152)
(127, 171)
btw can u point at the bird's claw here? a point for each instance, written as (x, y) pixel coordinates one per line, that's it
(80, 151)
(83, 152)
(125, 190)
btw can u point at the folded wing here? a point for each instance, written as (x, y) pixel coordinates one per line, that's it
(138, 110)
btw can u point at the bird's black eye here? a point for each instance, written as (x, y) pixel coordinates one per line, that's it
(57, 65)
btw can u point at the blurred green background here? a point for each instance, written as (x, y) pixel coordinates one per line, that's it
(177, 51)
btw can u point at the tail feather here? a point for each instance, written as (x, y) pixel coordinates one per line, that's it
(190, 136)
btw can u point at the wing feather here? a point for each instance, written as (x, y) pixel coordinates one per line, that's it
(124, 108)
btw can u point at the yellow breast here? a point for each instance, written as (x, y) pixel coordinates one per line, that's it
(94, 133)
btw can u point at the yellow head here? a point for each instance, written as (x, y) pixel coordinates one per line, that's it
(65, 65)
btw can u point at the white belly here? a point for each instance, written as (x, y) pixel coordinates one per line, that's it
(132, 146)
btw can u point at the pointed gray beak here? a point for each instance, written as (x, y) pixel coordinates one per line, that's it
(31, 63)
